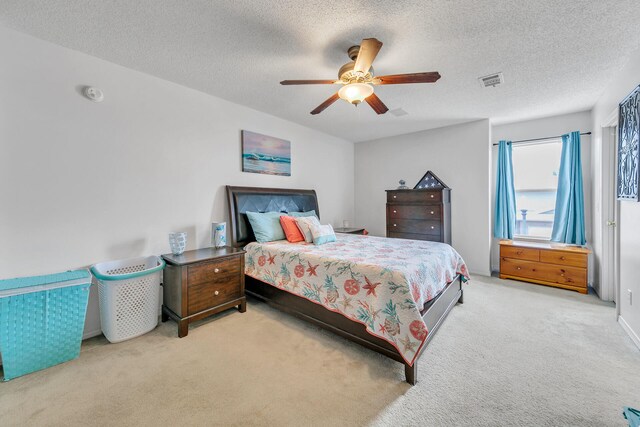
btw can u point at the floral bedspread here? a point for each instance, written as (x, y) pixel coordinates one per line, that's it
(381, 283)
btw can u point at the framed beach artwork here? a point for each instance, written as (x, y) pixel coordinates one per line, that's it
(265, 154)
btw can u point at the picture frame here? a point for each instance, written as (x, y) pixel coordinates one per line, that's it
(265, 154)
(628, 174)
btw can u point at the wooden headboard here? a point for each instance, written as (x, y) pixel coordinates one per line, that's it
(257, 199)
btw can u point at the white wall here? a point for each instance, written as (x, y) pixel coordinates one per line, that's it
(459, 155)
(621, 85)
(84, 182)
(542, 128)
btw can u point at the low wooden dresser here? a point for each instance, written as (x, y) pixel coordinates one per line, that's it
(202, 282)
(545, 264)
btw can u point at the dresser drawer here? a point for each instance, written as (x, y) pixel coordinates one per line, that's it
(224, 288)
(529, 254)
(414, 212)
(416, 196)
(413, 236)
(417, 226)
(571, 276)
(209, 271)
(564, 258)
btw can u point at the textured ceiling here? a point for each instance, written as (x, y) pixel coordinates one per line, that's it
(556, 56)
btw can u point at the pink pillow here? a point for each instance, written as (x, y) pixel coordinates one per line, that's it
(304, 225)
(291, 230)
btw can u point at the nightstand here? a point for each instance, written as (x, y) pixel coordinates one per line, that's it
(349, 230)
(202, 282)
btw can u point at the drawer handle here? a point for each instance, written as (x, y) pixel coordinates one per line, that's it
(394, 197)
(432, 227)
(518, 268)
(432, 196)
(519, 253)
(395, 212)
(431, 212)
(562, 258)
(216, 293)
(216, 270)
(394, 225)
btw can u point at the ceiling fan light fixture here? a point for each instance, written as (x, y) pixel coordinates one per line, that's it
(355, 93)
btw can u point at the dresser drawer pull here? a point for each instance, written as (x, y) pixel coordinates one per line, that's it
(432, 227)
(519, 253)
(432, 196)
(395, 212)
(394, 225)
(518, 268)
(216, 293)
(216, 270)
(432, 212)
(562, 258)
(394, 197)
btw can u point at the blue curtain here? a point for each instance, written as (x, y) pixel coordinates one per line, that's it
(568, 224)
(505, 213)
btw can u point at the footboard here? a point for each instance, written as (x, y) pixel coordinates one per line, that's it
(433, 317)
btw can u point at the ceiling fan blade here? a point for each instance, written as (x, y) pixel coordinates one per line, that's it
(369, 48)
(308, 82)
(375, 103)
(396, 79)
(320, 108)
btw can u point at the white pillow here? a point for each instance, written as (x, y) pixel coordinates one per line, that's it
(322, 234)
(304, 224)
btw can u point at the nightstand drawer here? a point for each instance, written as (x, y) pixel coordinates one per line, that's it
(205, 295)
(214, 270)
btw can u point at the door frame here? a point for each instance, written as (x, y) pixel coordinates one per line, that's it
(609, 258)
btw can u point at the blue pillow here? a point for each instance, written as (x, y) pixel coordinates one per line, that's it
(303, 214)
(266, 226)
(322, 234)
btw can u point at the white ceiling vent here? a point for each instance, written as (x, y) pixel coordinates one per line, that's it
(398, 112)
(492, 80)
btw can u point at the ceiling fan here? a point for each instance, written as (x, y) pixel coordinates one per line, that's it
(357, 79)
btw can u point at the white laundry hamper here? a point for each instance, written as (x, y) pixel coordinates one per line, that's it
(129, 293)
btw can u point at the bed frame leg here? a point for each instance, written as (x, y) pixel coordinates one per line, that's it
(461, 299)
(411, 373)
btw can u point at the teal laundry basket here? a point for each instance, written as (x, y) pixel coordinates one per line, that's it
(42, 320)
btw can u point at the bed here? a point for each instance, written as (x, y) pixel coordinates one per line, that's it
(336, 285)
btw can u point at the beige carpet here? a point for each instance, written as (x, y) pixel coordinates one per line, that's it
(513, 354)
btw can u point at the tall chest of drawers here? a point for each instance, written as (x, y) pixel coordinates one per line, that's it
(420, 214)
(545, 264)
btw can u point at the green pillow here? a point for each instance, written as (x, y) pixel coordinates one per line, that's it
(266, 226)
(303, 214)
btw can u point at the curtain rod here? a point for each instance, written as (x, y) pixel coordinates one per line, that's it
(542, 139)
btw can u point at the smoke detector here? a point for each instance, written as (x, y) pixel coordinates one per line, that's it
(93, 93)
(492, 80)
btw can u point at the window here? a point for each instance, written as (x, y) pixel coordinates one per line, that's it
(535, 174)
